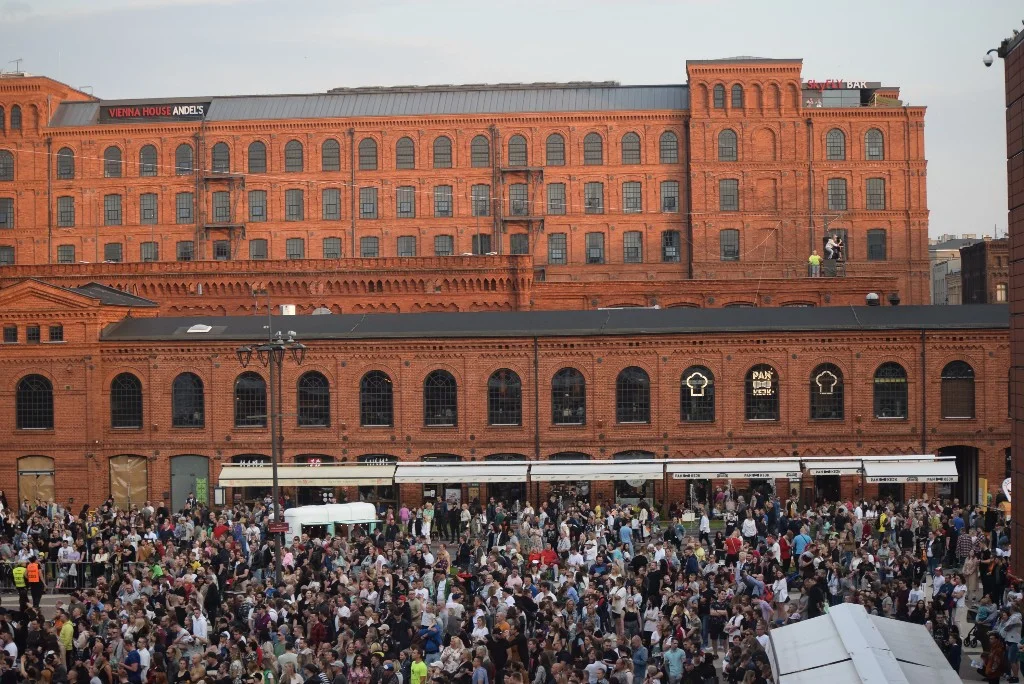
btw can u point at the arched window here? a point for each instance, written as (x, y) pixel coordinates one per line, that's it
(405, 154)
(257, 157)
(633, 396)
(504, 398)
(6, 166)
(293, 162)
(376, 400)
(250, 400)
(554, 150)
(958, 390)
(188, 402)
(827, 393)
(697, 395)
(313, 400)
(440, 400)
(719, 96)
(668, 148)
(631, 148)
(3, 119)
(33, 403)
(568, 398)
(112, 162)
(65, 163)
(762, 393)
(183, 160)
(737, 96)
(480, 152)
(517, 151)
(330, 155)
(442, 152)
(593, 150)
(835, 145)
(125, 401)
(727, 145)
(890, 391)
(220, 158)
(16, 118)
(147, 161)
(874, 145)
(367, 154)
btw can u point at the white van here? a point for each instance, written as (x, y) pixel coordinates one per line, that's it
(318, 521)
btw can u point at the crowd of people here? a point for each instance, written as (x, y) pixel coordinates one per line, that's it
(569, 592)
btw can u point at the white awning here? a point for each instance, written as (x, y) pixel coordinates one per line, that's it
(457, 473)
(326, 475)
(851, 467)
(569, 471)
(911, 471)
(735, 470)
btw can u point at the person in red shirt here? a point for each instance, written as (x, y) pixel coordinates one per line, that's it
(786, 552)
(220, 529)
(733, 544)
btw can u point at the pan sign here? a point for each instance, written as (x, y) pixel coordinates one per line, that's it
(737, 475)
(762, 381)
(911, 479)
(162, 111)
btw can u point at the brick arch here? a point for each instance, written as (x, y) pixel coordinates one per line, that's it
(793, 94)
(763, 144)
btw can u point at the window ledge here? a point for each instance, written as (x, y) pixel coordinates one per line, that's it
(568, 426)
(127, 429)
(888, 418)
(34, 431)
(505, 426)
(312, 427)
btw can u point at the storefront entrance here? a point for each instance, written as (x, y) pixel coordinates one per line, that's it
(190, 475)
(632, 491)
(311, 496)
(250, 494)
(35, 480)
(966, 488)
(507, 492)
(382, 496)
(827, 488)
(129, 481)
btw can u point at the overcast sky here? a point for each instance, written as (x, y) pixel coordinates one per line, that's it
(932, 49)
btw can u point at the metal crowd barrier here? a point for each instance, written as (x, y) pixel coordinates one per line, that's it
(61, 577)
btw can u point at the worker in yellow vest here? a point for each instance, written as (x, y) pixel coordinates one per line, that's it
(20, 583)
(36, 581)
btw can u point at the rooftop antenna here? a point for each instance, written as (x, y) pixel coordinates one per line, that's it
(17, 64)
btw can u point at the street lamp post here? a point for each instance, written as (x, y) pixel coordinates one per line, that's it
(271, 355)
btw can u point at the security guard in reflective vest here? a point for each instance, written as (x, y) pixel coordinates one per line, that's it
(36, 584)
(19, 574)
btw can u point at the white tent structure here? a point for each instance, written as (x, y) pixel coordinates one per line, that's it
(849, 645)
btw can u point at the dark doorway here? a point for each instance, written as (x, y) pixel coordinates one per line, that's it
(826, 487)
(189, 475)
(966, 488)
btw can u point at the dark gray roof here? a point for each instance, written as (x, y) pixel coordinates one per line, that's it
(112, 296)
(954, 244)
(412, 101)
(562, 323)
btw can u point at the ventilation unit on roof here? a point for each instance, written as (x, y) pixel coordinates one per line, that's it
(200, 328)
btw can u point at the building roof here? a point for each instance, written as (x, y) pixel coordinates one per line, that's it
(411, 101)
(953, 245)
(525, 324)
(744, 58)
(112, 296)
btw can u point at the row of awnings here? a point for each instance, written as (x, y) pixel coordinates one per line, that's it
(894, 469)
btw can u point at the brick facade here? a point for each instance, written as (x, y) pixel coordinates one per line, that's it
(985, 272)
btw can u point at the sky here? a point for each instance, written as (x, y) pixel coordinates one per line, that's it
(932, 49)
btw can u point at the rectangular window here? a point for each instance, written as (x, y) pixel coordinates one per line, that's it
(221, 207)
(6, 212)
(729, 245)
(557, 250)
(876, 245)
(443, 201)
(33, 334)
(294, 205)
(56, 333)
(257, 249)
(185, 250)
(876, 194)
(837, 194)
(481, 195)
(518, 204)
(111, 210)
(670, 196)
(295, 248)
(257, 206)
(369, 247)
(332, 248)
(632, 247)
(331, 200)
(6, 256)
(670, 242)
(482, 243)
(405, 200)
(593, 198)
(519, 243)
(66, 254)
(66, 212)
(444, 245)
(556, 199)
(183, 207)
(407, 246)
(148, 209)
(149, 251)
(632, 198)
(113, 252)
(728, 194)
(367, 203)
(10, 334)
(221, 250)
(595, 248)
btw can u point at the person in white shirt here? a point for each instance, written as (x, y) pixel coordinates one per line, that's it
(145, 657)
(200, 626)
(705, 527)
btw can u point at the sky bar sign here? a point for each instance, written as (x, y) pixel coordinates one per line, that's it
(157, 111)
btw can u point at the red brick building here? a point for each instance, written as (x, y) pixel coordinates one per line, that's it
(985, 272)
(615, 195)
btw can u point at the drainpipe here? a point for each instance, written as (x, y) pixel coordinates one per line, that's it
(536, 410)
(924, 398)
(352, 187)
(810, 183)
(496, 207)
(688, 185)
(49, 200)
